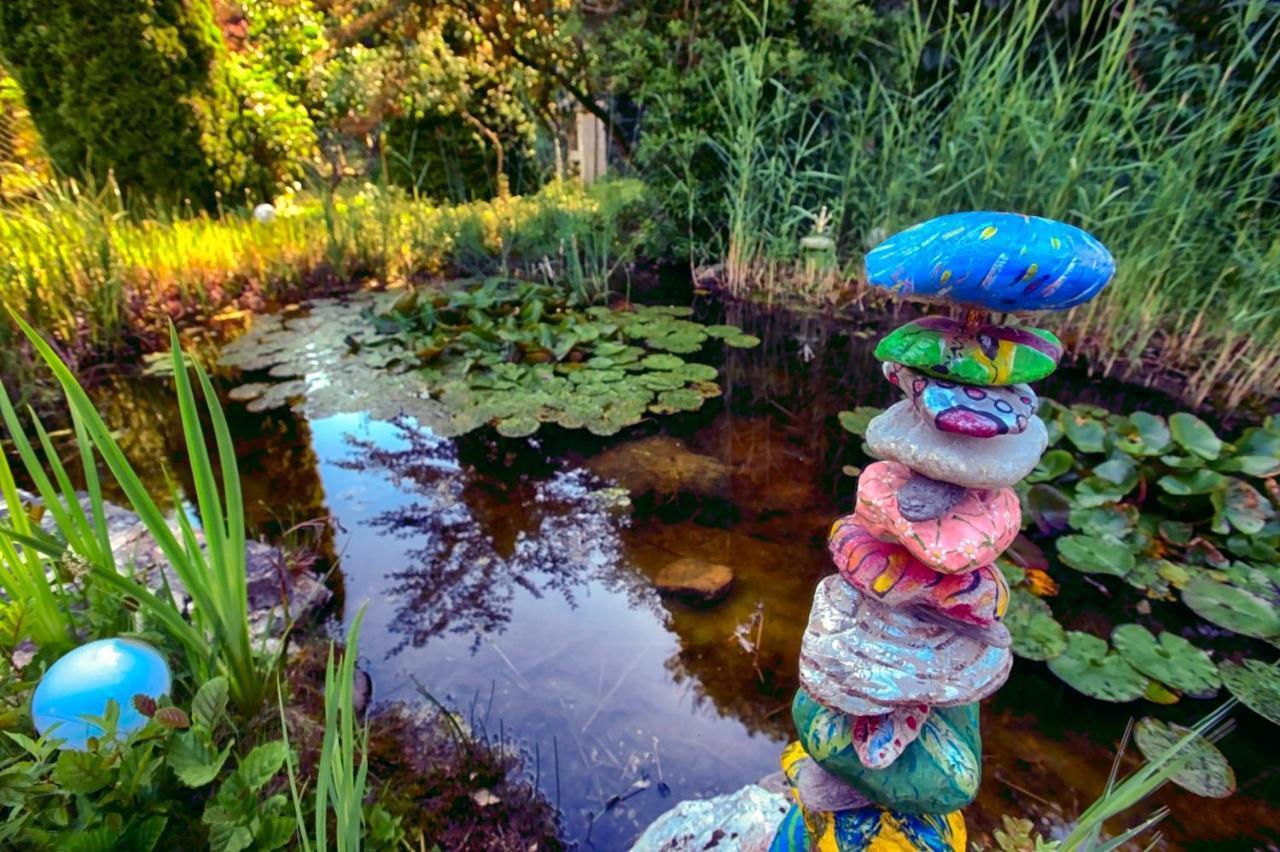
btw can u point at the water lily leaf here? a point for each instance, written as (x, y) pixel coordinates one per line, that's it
(1096, 491)
(1182, 462)
(1013, 574)
(1168, 658)
(1176, 532)
(1088, 434)
(672, 401)
(856, 421)
(1094, 555)
(1037, 635)
(1260, 441)
(1256, 684)
(1143, 435)
(1048, 507)
(1201, 768)
(1112, 520)
(662, 361)
(1250, 547)
(1088, 666)
(1245, 507)
(1200, 481)
(1176, 574)
(742, 341)
(248, 391)
(1262, 581)
(1158, 693)
(1194, 435)
(1146, 576)
(1117, 471)
(1052, 465)
(1260, 466)
(697, 372)
(1235, 609)
(722, 331)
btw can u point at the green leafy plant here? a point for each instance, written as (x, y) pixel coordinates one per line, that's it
(212, 572)
(341, 779)
(514, 354)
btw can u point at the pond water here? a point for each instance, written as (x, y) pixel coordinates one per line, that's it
(510, 580)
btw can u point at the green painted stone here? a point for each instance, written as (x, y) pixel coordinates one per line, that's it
(991, 356)
(938, 773)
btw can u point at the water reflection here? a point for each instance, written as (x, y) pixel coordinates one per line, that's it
(471, 542)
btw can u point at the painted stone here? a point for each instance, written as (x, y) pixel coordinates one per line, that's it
(966, 409)
(888, 573)
(899, 434)
(815, 786)
(925, 499)
(865, 659)
(990, 355)
(1000, 261)
(81, 682)
(869, 830)
(939, 772)
(974, 533)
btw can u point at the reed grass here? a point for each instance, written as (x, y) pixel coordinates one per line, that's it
(1173, 168)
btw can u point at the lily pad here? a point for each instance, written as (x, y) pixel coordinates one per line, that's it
(1168, 658)
(1201, 768)
(1195, 436)
(1088, 434)
(1109, 521)
(1088, 666)
(1235, 609)
(1260, 466)
(1037, 635)
(856, 421)
(1143, 435)
(1256, 684)
(1245, 507)
(1095, 555)
(1051, 465)
(1200, 481)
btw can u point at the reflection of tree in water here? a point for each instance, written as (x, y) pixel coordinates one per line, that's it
(473, 540)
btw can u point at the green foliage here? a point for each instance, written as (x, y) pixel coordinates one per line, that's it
(1202, 769)
(145, 90)
(514, 354)
(212, 571)
(1256, 684)
(1160, 140)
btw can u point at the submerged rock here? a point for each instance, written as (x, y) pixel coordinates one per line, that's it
(695, 580)
(743, 821)
(662, 466)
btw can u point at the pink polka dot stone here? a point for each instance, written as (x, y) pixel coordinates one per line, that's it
(972, 534)
(887, 572)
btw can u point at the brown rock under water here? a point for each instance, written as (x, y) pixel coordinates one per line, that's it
(695, 581)
(662, 466)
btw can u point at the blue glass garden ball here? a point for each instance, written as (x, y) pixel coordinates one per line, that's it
(81, 682)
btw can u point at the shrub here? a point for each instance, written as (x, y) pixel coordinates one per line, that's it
(145, 90)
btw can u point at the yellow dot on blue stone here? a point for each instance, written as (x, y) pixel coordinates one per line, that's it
(81, 683)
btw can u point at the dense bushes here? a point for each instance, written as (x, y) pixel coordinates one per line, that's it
(145, 89)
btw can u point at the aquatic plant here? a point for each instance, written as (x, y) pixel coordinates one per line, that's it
(1175, 512)
(514, 354)
(210, 565)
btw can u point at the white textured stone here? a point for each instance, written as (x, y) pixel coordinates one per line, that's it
(744, 821)
(900, 434)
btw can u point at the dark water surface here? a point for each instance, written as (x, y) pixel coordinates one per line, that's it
(512, 583)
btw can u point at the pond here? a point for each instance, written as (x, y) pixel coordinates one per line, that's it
(513, 580)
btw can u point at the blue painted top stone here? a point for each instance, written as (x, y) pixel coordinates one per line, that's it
(998, 261)
(81, 682)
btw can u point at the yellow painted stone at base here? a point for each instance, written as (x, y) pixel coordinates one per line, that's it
(868, 829)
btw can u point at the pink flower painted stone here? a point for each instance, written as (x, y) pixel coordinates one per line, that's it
(862, 658)
(888, 573)
(966, 409)
(976, 531)
(900, 434)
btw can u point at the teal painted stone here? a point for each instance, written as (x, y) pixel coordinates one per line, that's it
(938, 773)
(999, 261)
(990, 355)
(81, 682)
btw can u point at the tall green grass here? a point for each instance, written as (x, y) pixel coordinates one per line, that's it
(1173, 168)
(216, 639)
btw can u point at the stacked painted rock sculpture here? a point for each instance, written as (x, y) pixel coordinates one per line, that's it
(907, 637)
